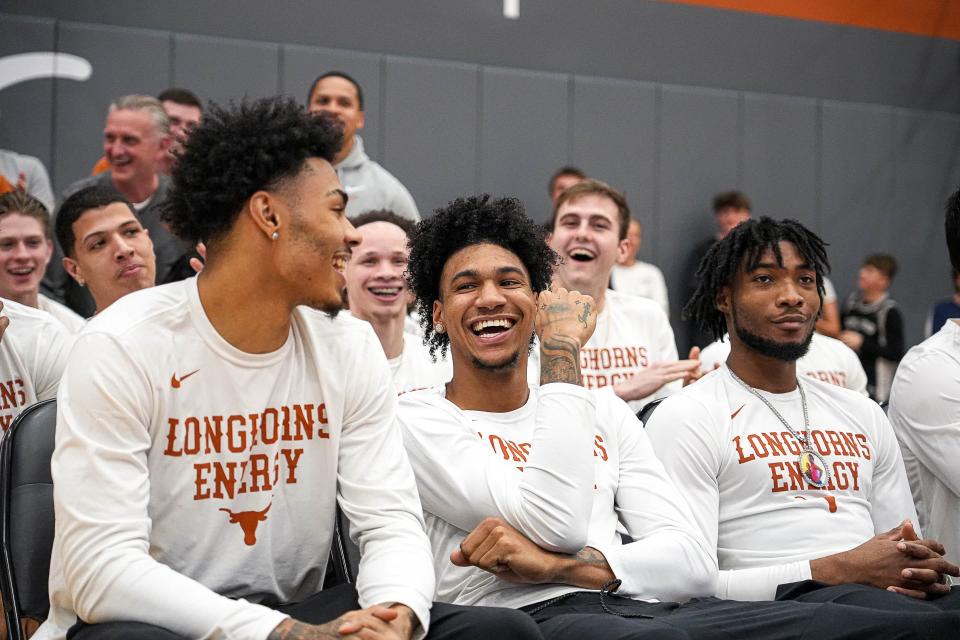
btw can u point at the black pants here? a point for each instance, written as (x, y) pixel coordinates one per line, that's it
(585, 615)
(863, 596)
(447, 621)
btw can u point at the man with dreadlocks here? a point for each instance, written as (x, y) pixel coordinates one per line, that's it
(790, 481)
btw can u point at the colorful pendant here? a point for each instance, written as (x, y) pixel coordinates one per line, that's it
(814, 468)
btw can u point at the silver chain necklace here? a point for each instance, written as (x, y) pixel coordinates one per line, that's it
(813, 466)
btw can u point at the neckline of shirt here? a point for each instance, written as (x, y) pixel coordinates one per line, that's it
(217, 343)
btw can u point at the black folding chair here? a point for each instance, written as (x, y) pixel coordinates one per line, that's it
(647, 411)
(344, 554)
(26, 515)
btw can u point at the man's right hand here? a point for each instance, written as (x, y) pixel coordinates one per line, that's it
(648, 380)
(564, 322)
(893, 560)
(372, 623)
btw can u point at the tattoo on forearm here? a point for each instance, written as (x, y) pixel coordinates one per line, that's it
(291, 629)
(589, 555)
(560, 360)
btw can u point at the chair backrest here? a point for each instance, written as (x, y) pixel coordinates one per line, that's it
(26, 514)
(344, 554)
(644, 414)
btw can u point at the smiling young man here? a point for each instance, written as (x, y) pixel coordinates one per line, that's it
(369, 185)
(107, 249)
(377, 292)
(633, 350)
(136, 138)
(207, 429)
(790, 480)
(25, 252)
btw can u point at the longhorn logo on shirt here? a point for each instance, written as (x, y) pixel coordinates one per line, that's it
(248, 521)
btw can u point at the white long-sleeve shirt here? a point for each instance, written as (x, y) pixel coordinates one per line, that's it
(828, 359)
(737, 465)
(194, 481)
(631, 334)
(565, 469)
(33, 353)
(925, 413)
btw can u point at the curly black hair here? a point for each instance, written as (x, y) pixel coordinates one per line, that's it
(237, 151)
(745, 246)
(952, 229)
(464, 223)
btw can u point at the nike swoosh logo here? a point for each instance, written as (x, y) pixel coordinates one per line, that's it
(734, 414)
(175, 381)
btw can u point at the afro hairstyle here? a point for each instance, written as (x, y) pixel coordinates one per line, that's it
(463, 223)
(237, 151)
(745, 246)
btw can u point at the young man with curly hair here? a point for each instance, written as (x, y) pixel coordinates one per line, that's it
(207, 429)
(798, 484)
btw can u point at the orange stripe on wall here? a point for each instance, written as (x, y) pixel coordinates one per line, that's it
(933, 18)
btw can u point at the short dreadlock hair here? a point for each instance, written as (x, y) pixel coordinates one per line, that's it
(463, 223)
(952, 229)
(237, 151)
(744, 247)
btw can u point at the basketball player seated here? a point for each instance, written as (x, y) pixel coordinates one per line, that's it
(790, 479)
(207, 429)
(524, 488)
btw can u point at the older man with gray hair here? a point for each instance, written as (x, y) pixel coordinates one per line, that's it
(135, 140)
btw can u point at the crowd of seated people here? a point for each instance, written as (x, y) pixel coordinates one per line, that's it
(255, 331)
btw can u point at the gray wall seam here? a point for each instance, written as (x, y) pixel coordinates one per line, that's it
(281, 56)
(382, 111)
(741, 136)
(657, 123)
(571, 106)
(52, 168)
(818, 163)
(171, 65)
(478, 164)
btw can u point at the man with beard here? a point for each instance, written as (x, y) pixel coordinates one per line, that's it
(207, 429)
(369, 185)
(790, 480)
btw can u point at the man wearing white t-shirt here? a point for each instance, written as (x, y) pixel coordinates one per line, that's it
(925, 413)
(790, 480)
(636, 277)
(828, 359)
(378, 293)
(208, 429)
(524, 488)
(633, 349)
(25, 252)
(33, 353)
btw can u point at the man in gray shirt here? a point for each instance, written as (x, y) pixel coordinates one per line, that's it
(369, 185)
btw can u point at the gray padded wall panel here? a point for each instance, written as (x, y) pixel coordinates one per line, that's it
(221, 69)
(614, 139)
(302, 65)
(124, 61)
(431, 129)
(524, 134)
(698, 157)
(927, 172)
(780, 157)
(857, 187)
(26, 108)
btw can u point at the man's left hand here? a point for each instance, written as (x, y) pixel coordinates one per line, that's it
(497, 547)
